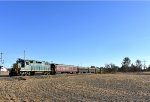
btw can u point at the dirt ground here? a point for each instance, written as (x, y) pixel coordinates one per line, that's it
(76, 88)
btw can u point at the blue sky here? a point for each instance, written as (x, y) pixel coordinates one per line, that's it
(80, 33)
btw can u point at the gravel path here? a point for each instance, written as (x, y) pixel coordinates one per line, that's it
(77, 88)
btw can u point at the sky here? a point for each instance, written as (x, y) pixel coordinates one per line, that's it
(80, 33)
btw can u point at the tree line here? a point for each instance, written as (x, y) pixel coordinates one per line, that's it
(127, 66)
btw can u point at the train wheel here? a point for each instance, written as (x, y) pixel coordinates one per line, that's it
(29, 73)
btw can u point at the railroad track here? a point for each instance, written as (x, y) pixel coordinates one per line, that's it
(7, 77)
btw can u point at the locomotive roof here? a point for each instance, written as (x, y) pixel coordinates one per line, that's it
(30, 60)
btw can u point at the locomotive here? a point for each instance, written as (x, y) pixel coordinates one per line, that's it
(31, 67)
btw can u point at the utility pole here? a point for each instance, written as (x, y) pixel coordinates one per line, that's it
(24, 54)
(1, 60)
(144, 64)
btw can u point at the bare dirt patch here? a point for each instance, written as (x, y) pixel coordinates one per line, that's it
(77, 88)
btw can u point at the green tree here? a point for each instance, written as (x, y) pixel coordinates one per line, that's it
(138, 65)
(126, 64)
(133, 68)
(111, 68)
(114, 68)
(148, 69)
(101, 70)
(107, 68)
(93, 67)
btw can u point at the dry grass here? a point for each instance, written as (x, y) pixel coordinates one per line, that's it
(78, 88)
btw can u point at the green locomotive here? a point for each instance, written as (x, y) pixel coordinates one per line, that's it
(30, 67)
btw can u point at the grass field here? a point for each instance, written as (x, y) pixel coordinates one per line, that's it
(77, 88)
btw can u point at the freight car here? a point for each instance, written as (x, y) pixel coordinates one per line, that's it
(87, 70)
(30, 67)
(61, 68)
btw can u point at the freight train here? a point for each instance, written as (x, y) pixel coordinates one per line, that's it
(31, 67)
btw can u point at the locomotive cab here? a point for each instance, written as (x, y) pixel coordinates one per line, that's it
(15, 70)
